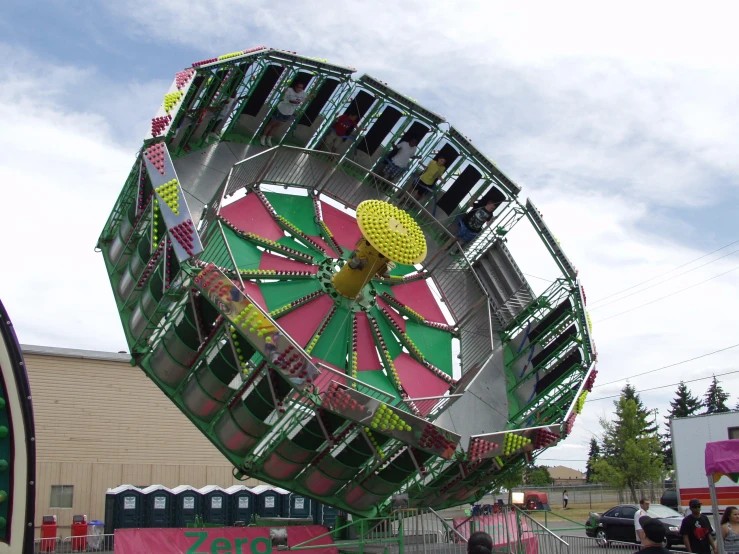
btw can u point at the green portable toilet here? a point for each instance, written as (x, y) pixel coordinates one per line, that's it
(187, 505)
(158, 507)
(241, 504)
(123, 508)
(214, 505)
(299, 506)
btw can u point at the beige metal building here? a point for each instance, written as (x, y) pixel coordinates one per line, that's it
(100, 423)
(562, 475)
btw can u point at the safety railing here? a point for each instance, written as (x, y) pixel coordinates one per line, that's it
(588, 545)
(86, 543)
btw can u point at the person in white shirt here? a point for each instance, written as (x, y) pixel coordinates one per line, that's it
(641, 512)
(406, 151)
(294, 96)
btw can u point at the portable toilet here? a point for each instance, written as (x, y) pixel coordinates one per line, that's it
(241, 504)
(123, 508)
(158, 506)
(214, 505)
(268, 500)
(299, 506)
(186, 505)
(325, 515)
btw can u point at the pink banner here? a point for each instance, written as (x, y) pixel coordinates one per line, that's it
(503, 528)
(216, 540)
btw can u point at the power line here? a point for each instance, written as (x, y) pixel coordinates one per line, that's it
(666, 280)
(666, 296)
(540, 278)
(666, 366)
(665, 273)
(665, 386)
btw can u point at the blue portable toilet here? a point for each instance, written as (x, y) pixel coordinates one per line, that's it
(187, 505)
(241, 504)
(158, 506)
(214, 505)
(123, 508)
(299, 506)
(269, 500)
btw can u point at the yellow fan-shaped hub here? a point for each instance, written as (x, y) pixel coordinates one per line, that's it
(391, 231)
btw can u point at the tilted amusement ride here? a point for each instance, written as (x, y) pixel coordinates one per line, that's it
(322, 327)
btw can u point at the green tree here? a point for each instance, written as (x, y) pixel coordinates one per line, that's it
(683, 405)
(593, 456)
(636, 454)
(629, 393)
(715, 398)
(539, 476)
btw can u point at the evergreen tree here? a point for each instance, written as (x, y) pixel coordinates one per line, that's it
(636, 455)
(715, 398)
(629, 393)
(593, 456)
(684, 405)
(736, 408)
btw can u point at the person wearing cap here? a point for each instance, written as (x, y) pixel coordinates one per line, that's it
(697, 531)
(640, 513)
(652, 536)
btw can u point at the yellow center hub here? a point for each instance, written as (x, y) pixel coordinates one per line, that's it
(388, 235)
(393, 232)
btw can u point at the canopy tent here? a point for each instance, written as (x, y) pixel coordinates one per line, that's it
(722, 459)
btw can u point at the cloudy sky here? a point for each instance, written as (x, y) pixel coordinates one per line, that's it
(620, 123)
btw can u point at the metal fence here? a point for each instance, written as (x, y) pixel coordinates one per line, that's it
(86, 543)
(589, 495)
(588, 545)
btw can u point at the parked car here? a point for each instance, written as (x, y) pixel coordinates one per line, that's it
(669, 499)
(617, 524)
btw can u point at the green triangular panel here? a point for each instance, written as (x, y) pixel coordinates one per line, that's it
(278, 293)
(393, 346)
(435, 344)
(401, 269)
(298, 210)
(247, 255)
(381, 287)
(379, 380)
(334, 341)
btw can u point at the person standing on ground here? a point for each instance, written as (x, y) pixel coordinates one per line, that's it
(653, 536)
(729, 533)
(294, 96)
(640, 513)
(565, 496)
(696, 530)
(480, 543)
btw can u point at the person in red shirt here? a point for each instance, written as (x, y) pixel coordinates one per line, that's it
(340, 130)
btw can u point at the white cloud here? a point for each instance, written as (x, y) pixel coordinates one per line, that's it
(603, 116)
(61, 170)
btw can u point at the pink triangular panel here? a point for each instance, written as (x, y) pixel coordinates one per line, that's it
(303, 322)
(278, 263)
(367, 358)
(326, 247)
(343, 227)
(250, 216)
(395, 316)
(326, 377)
(417, 296)
(252, 289)
(417, 380)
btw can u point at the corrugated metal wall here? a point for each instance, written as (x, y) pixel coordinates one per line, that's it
(100, 424)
